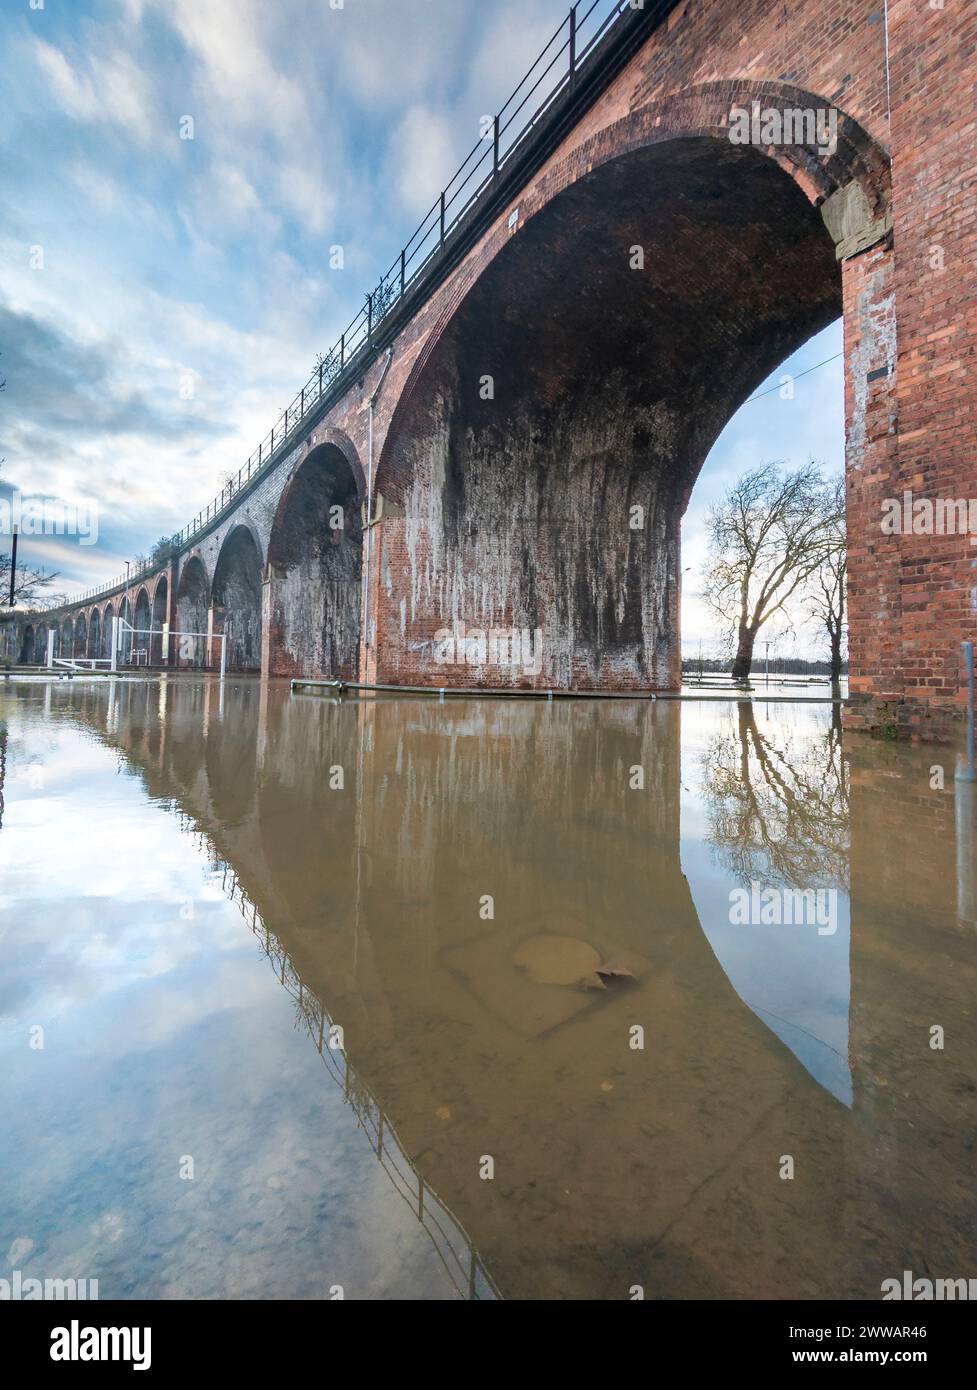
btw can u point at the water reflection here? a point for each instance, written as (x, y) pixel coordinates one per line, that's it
(776, 801)
(392, 857)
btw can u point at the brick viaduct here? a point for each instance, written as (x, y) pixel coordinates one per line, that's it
(538, 388)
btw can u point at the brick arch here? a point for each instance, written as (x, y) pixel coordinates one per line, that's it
(186, 559)
(161, 578)
(191, 602)
(701, 111)
(239, 521)
(609, 387)
(314, 569)
(236, 593)
(321, 436)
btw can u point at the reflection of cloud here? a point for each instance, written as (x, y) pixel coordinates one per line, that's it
(771, 807)
(139, 1070)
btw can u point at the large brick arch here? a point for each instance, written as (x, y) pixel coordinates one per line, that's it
(701, 111)
(607, 389)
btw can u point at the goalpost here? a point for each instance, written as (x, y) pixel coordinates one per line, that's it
(121, 627)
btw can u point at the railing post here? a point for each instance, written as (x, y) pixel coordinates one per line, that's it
(302, 403)
(495, 145)
(442, 218)
(403, 272)
(573, 43)
(369, 317)
(342, 352)
(320, 378)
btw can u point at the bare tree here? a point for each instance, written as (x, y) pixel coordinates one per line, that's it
(828, 595)
(768, 536)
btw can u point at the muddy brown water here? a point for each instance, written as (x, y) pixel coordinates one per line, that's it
(301, 997)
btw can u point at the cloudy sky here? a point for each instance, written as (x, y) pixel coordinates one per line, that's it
(134, 261)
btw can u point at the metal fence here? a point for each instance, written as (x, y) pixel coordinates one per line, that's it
(588, 24)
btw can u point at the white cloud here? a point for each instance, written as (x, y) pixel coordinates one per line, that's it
(111, 89)
(423, 157)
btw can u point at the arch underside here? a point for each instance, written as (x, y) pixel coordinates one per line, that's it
(547, 450)
(192, 606)
(237, 596)
(316, 566)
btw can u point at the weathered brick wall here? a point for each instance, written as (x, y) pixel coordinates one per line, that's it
(909, 665)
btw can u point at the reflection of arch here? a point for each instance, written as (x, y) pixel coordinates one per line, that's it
(26, 657)
(315, 560)
(612, 374)
(160, 616)
(230, 759)
(192, 606)
(237, 591)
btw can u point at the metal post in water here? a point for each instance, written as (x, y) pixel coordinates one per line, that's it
(50, 649)
(115, 643)
(965, 807)
(966, 772)
(223, 653)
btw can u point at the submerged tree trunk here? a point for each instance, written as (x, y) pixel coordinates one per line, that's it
(836, 657)
(743, 662)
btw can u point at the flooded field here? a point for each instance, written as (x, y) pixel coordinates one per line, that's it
(519, 999)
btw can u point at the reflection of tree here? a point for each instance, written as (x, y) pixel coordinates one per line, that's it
(3, 765)
(778, 809)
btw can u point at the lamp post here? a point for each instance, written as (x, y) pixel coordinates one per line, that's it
(13, 567)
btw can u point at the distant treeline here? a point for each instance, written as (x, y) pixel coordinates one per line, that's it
(781, 666)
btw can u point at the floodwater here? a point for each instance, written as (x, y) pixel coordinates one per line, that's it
(302, 997)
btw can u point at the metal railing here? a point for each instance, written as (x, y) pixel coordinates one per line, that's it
(554, 72)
